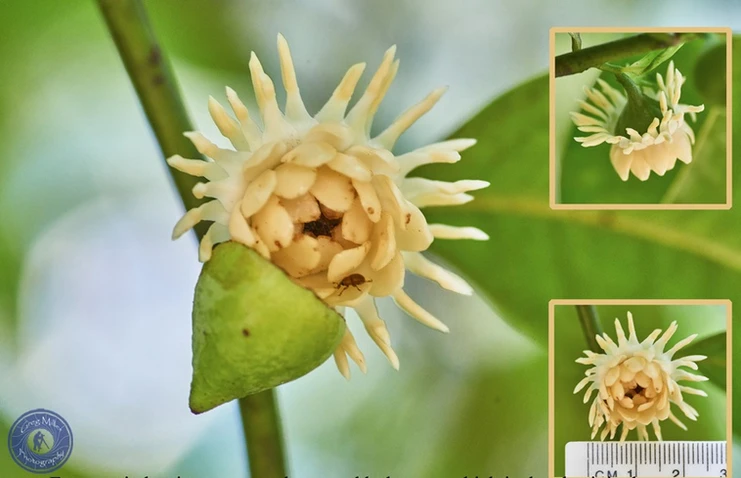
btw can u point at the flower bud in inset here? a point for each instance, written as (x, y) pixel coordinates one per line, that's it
(647, 133)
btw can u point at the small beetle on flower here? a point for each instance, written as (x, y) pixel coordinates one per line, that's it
(324, 201)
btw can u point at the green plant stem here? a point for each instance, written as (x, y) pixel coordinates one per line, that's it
(575, 41)
(154, 83)
(157, 90)
(260, 414)
(631, 89)
(596, 56)
(590, 324)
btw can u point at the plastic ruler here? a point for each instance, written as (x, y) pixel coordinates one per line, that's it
(646, 459)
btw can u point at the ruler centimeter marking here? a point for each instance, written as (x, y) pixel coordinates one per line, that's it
(655, 459)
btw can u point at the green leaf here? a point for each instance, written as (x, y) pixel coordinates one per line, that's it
(714, 348)
(650, 61)
(253, 328)
(703, 181)
(210, 37)
(537, 254)
(710, 75)
(488, 398)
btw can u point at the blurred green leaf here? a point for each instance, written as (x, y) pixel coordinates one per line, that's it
(710, 75)
(478, 421)
(703, 181)
(46, 36)
(215, 36)
(515, 444)
(714, 367)
(537, 254)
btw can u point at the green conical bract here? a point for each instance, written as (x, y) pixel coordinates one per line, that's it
(253, 328)
(640, 110)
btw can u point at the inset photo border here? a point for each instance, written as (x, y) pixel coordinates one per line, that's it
(615, 144)
(568, 331)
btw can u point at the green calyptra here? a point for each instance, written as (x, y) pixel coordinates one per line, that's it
(639, 111)
(253, 328)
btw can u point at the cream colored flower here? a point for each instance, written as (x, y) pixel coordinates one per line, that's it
(657, 149)
(324, 201)
(636, 382)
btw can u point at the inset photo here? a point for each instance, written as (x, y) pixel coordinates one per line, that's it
(640, 119)
(630, 379)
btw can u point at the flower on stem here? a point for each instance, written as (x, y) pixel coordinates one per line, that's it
(637, 382)
(326, 202)
(647, 133)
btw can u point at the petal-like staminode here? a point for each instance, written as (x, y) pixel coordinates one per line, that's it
(636, 382)
(324, 201)
(657, 149)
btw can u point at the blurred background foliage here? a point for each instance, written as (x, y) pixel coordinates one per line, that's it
(95, 299)
(586, 175)
(708, 321)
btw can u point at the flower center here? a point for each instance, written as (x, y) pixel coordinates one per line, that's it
(322, 226)
(636, 392)
(633, 392)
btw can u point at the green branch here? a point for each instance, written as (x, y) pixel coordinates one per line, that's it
(157, 90)
(590, 324)
(596, 56)
(154, 83)
(264, 439)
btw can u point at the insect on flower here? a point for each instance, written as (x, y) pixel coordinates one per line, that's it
(326, 202)
(353, 280)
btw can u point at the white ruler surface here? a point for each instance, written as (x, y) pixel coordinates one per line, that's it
(646, 459)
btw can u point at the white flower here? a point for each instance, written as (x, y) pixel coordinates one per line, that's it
(657, 149)
(636, 382)
(326, 202)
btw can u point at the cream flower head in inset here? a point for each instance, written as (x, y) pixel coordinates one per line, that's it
(665, 139)
(324, 201)
(637, 382)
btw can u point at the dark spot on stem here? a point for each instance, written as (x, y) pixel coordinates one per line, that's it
(409, 218)
(158, 79)
(155, 56)
(246, 332)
